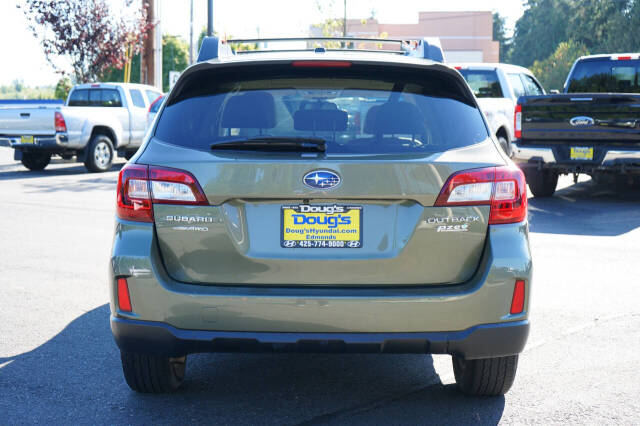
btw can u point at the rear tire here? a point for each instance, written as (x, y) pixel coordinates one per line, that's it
(506, 146)
(99, 154)
(485, 377)
(35, 161)
(153, 374)
(542, 183)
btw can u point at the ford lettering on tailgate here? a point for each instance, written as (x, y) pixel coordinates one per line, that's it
(321, 226)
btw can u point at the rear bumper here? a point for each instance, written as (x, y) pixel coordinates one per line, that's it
(481, 341)
(50, 143)
(606, 158)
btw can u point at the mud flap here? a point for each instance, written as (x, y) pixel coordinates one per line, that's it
(17, 154)
(81, 155)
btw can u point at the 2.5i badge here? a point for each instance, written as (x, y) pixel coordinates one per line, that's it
(321, 226)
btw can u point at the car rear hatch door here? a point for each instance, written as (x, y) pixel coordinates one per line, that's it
(357, 212)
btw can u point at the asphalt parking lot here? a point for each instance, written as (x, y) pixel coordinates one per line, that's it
(59, 364)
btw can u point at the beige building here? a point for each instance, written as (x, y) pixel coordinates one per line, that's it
(465, 36)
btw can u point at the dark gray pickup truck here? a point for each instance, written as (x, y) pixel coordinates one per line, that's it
(592, 128)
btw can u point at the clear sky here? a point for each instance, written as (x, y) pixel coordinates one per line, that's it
(23, 57)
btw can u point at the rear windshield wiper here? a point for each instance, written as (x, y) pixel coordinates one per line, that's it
(274, 143)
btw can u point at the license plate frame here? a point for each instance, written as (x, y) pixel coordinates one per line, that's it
(298, 232)
(30, 140)
(581, 153)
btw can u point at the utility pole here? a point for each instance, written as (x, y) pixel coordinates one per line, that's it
(344, 20)
(157, 49)
(191, 35)
(209, 18)
(151, 55)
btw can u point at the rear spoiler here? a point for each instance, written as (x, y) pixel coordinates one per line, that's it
(425, 48)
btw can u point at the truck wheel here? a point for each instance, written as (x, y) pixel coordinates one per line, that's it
(153, 374)
(485, 377)
(99, 154)
(506, 146)
(542, 183)
(35, 160)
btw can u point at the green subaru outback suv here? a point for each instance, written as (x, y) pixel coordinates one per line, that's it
(321, 201)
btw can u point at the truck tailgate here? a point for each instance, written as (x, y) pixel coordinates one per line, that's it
(27, 121)
(589, 117)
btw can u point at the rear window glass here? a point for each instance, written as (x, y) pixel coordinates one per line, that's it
(136, 98)
(95, 98)
(484, 84)
(356, 110)
(605, 76)
(79, 97)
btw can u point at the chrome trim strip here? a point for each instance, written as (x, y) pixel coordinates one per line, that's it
(525, 153)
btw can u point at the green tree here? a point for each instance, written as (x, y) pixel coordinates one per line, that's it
(552, 72)
(622, 34)
(540, 30)
(62, 88)
(500, 35)
(590, 21)
(175, 57)
(117, 74)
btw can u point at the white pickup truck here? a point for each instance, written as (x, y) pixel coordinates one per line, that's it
(497, 88)
(96, 121)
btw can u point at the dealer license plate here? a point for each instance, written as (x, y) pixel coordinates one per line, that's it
(581, 153)
(321, 226)
(26, 139)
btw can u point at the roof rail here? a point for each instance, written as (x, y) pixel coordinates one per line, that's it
(426, 48)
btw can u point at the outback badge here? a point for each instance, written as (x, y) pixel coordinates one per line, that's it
(321, 179)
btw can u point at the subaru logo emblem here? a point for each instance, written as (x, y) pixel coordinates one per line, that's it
(321, 179)
(582, 121)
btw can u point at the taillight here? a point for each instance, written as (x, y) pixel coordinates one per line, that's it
(140, 186)
(517, 122)
(502, 188)
(59, 122)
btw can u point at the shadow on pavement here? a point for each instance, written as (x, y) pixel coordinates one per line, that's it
(587, 208)
(76, 378)
(23, 173)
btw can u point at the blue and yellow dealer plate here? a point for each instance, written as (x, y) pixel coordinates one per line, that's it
(321, 226)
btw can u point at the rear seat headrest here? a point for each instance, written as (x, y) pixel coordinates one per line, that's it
(250, 110)
(394, 118)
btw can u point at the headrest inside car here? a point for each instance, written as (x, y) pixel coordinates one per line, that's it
(250, 110)
(320, 120)
(394, 118)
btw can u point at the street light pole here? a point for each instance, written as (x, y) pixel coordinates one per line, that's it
(209, 18)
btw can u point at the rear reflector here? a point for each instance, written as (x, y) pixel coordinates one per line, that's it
(502, 188)
(124, 300)
(517, 122)
(517, 302)
(59, 123)
(140, 186)
(322, 64)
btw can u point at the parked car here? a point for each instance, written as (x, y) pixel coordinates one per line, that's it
(154, 108)
(96, 120)
(592, 128)
(497, 88)
(248, 222)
